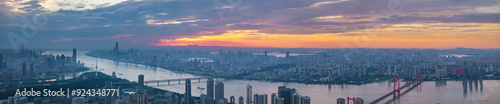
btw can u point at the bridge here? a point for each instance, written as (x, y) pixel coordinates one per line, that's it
(411, 85)
(178, 80)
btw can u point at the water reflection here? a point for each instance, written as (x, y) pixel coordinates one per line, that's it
(441, 83)
(430, 92)
(473, 84)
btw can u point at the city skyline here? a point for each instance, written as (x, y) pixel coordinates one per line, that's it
(249, 51)
(251, 24)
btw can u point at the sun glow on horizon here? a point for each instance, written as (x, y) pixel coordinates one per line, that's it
(426, 35)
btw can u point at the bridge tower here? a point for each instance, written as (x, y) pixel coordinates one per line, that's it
(353, 100)
(399, 88)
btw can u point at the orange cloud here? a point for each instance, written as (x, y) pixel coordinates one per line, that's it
(427, 35)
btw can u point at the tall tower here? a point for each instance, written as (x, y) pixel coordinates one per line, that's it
(116, 47)
(187, 95)
(74, 55)
(287, 54)
(265, 53)
(219, 91)
(249, 94)
(210, 88)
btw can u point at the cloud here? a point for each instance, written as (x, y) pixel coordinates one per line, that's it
(67, 39)
(150, 20)
(120, 36)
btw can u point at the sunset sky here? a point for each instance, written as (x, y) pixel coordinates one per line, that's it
(441, 24)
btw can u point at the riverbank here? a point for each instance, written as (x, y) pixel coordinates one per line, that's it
(87, 80)
(352, 81)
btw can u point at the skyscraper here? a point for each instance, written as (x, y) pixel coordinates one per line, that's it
(187, 95)
(256, 99)
(74, 55)
(210, 88)
(287, 54)
(340, 101)
(265, 53)
(274, 98)
(249, 94)
(240, 100)
(116, 47)
(141, 80)
(232, 100)
(296, 98)
(307, 100)
(219, 91)
(263, 99)
(286, 94)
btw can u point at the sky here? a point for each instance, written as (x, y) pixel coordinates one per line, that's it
(437, 24)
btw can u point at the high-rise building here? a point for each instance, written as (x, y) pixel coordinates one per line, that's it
(222, 101)
(287, 54)
(274, 98)
(210, 87)
(307, 100)
(256, 99)
(142, 96)
(296, 98)
(219, 91)
(241, 100)
(263, 97)
(265, 53)
(249, 94)
(23, 70)
(74, 55)
(260, 99)
(108, 99)
(20, 100)
(204, 99)
(340, 101)
(141, 80)
(187, 95)
(359, 101)
(232, 100)
(116, 47)
(286, 94)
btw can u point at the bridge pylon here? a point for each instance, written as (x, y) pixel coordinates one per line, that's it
(396, 80)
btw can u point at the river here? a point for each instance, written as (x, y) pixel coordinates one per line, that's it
(443, 92)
